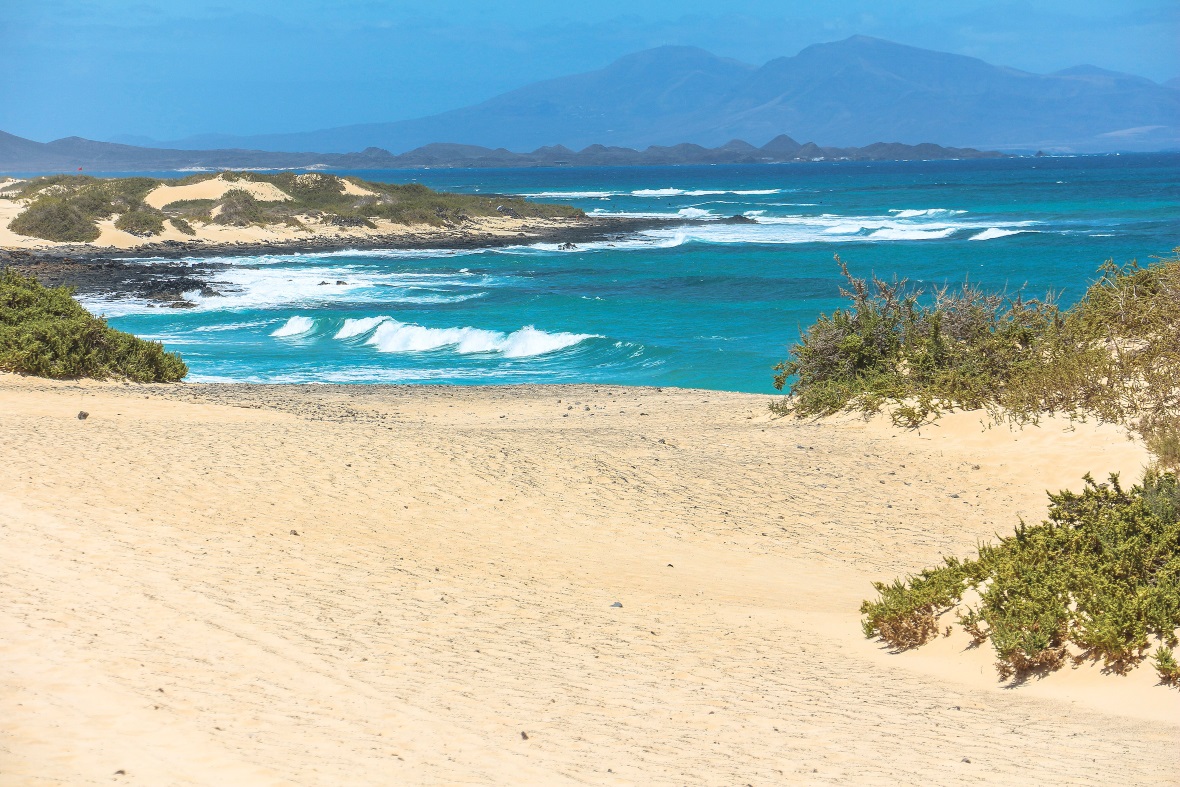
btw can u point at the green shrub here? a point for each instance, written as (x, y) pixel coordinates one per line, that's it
(45, 332)
(182, 226)
(191, 208)
(239, 208)
(1114, 355)
(1101, 574)
(141, 220)
(1166, 666)
(53, 218)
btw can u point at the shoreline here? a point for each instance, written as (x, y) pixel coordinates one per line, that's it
(164, 271)
(581, 230)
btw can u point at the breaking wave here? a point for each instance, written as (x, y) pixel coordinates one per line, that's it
(296, 326)
(995, 232)
(392, 336)
(358, 327)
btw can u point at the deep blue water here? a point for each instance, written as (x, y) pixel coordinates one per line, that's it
(711, 306)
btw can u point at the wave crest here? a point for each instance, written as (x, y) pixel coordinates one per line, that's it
(392, 336)
(296, 326)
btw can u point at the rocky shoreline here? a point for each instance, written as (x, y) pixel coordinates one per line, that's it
(165, 271)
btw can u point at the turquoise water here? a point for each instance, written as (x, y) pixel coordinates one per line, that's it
(710, 306)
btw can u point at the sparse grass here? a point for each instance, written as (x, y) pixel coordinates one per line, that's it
(66, 207)
(1101, 575)
(45, 332)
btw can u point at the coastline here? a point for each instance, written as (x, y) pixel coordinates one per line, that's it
(476, 234)
(164, 270)
(334, 584)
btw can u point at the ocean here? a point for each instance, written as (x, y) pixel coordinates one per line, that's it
(710, 305)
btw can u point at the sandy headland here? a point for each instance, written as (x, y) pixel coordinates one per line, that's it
(302, 231)
(330, 585)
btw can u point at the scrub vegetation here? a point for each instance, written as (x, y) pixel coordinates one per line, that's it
(68, 207)
(1100, 577)
(1101, 574)
(46, 333)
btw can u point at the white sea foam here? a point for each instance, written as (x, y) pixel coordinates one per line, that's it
(657, 193)
(529, 341)
(233, 326)
(911, 233)
(358, 327)
(574, 194)
(296, 326)
(694, 213)
(673, 192)
(392, 336)
(995, 232)
(911, 214)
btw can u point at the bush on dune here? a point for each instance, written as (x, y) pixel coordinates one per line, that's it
(1102, 574)
(143, 221)
(45, 332)
(239, 208)
(1114, 355)
(52, 218)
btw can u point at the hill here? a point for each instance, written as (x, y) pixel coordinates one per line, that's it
(19, 155)
(847, 93)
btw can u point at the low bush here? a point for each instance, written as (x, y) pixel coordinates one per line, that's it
(182, 226)
(1114, 355)
(141, 220)
(199, 209)
(53, 218)
(45, 332)
(239, 208)
(1100, 575)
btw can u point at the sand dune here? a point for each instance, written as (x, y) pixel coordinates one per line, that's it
(454, 579)
(214, 188)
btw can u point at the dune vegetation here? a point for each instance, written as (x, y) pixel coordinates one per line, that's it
(69, 207)
(46, 333)
(1100, 577)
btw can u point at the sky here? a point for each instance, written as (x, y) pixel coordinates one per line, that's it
(106, 69)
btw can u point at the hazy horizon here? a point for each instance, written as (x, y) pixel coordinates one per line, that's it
(101, 70)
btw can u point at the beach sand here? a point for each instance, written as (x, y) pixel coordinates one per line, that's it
(318, 585)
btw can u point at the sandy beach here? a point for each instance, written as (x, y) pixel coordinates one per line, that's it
(319, 585)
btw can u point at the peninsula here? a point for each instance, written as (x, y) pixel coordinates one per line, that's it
(226, 212)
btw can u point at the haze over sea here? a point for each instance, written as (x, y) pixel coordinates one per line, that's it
(710, 305)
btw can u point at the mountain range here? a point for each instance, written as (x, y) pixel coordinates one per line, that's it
(74, 153)
(847, 93)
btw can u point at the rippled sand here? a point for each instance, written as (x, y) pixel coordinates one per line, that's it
(421, 585)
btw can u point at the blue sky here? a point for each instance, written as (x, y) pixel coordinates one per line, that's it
(103, 68)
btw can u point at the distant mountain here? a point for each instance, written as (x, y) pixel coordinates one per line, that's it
(848, 93)
(73, 153)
